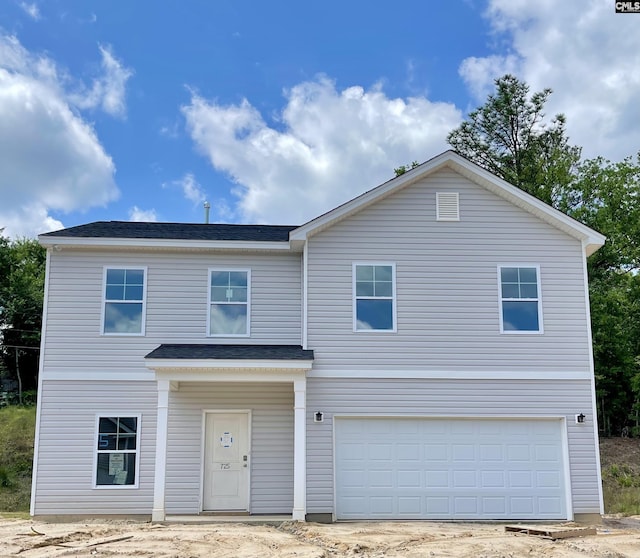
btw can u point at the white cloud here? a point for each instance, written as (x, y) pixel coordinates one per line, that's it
(144, 215)
(329, 146)
(585, 52)
(50, 159)
(108, 91)
(191, 189)
(31, 10)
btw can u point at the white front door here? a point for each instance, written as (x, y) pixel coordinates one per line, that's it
(226, 466)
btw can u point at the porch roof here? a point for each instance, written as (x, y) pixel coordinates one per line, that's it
(216, 351)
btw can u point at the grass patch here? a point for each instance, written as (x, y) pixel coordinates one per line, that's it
(621, 475)
(17, 429)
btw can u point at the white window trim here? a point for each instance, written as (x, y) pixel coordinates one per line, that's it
(118, 414)
(144, 301)
(540, 329)
(248, 303)
(394, 304)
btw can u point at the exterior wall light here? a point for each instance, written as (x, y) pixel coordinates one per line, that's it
(318, 416)
(580, 418)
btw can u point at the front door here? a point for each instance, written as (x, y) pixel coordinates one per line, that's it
(226, 466)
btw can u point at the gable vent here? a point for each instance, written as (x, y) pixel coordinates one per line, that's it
(447, 206)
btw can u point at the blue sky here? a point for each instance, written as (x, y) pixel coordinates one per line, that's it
(275, 112)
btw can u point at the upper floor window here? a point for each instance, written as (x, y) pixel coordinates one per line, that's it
(374, 297)
(117, 451)
(229, 298)
(520, 304)
(124, 301)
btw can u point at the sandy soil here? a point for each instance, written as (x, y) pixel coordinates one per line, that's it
(28, 539)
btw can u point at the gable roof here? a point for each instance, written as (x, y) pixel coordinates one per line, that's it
(285, 237)
(590, 239)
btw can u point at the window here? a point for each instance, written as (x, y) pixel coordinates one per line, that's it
(229, 296)
(374, 300)
(117, 451)
(521, 309)
(124, 296)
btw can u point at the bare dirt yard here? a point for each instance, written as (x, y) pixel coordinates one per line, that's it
(615, 538)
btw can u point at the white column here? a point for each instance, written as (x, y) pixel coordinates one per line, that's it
(158, 511)
(300, 450)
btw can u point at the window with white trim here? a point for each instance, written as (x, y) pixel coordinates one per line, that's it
(117, 451)
(520, 303)
(124, 301)
(229, 299)
(374, 297)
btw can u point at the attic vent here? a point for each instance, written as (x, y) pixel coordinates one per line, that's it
(447, 206)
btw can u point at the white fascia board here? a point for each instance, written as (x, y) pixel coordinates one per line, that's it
(591, 239)
(177, 377)
(61, 241)
(214, 364)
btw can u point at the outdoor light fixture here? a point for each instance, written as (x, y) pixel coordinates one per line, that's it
(318, 416)
(580, 418)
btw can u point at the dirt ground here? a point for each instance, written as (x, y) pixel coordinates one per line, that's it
(615, 538)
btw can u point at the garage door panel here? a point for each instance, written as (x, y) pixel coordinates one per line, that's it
(449, 469)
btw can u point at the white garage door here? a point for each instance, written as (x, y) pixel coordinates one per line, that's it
(393, 468)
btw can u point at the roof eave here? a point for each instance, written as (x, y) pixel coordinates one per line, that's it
(105, 242)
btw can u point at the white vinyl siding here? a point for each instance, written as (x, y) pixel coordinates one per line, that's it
(65, 481)
(271, 459)
(457, 399)
(448, 308)
(176, 307)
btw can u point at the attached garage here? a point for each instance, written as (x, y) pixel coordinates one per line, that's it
(423, 468)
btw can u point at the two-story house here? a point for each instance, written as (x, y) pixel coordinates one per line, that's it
(421, 352)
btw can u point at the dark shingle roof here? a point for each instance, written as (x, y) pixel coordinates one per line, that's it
(231, 352)
(177, 231)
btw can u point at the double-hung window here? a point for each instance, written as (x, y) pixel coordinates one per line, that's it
(374, 297)
(520, 302)
(229, 300)
(124, 301)
(117, 451)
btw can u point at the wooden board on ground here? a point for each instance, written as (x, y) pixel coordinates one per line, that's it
(551, 532)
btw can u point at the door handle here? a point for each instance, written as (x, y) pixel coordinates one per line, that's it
(245, 459)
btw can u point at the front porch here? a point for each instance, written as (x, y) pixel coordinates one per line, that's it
(202, 387)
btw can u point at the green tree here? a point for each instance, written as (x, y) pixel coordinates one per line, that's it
(606, 197)
(510, 137)
(22, 269)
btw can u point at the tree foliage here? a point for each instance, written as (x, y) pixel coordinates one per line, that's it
(510, 136)
(22, 269)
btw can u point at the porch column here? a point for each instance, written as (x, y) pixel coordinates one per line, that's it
(300, 450)
(158, 511)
